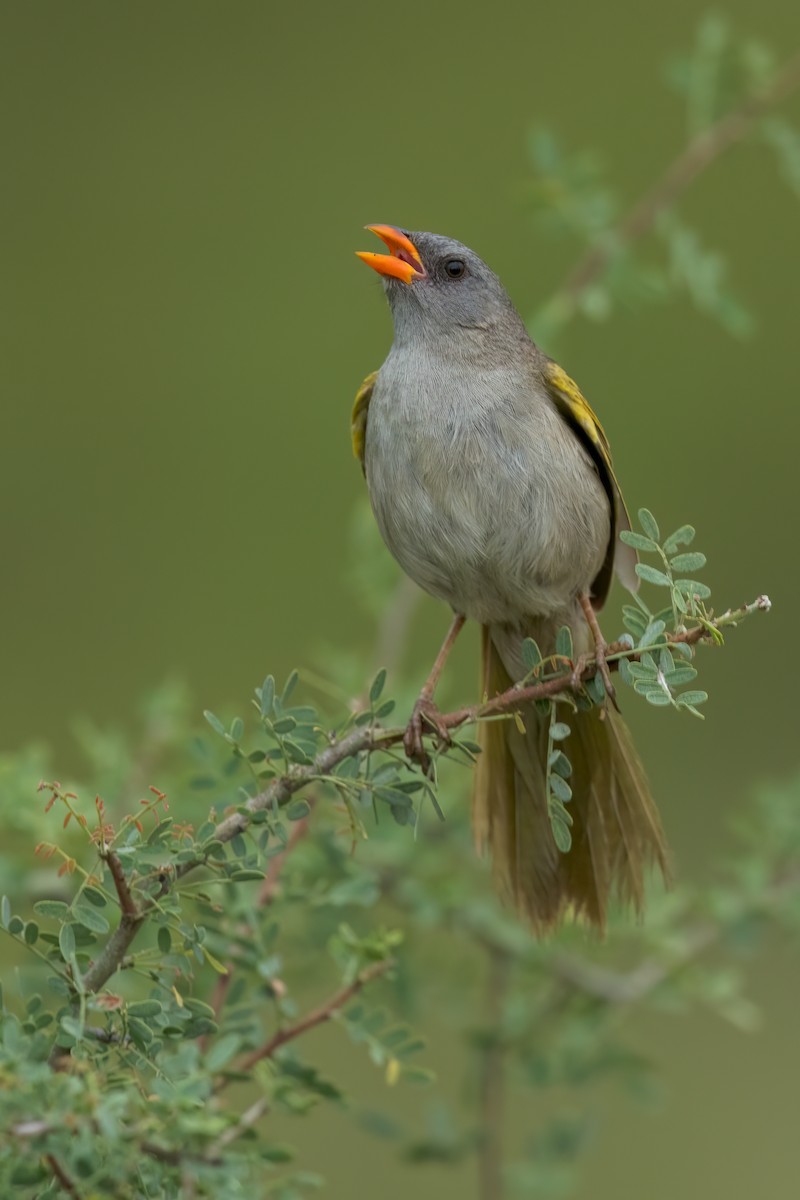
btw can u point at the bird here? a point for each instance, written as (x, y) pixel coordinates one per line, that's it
(491, 481)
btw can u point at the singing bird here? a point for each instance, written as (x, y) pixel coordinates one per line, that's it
(491, 482)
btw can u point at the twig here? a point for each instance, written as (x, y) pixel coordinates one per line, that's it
(61, 1175)
(248, 1118)
(269, 887)
(492, 1079)
(317, 1016)
(701, 151)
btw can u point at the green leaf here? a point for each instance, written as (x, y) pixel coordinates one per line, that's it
(658, 697)
(559, 730)
(560, 764)
(688, 562)
(681, 675)
(690, 587)
(649, 524)
(164, 938)
(96, 897)
(296, 753)
(531, 654)
(5, 911)
(214, 722)
(561, 834)
(52, 908)
(564, 642)
(222, 1051)
(290, 686)
(692, 698)
(298, 810)
(220, 968)
(145, 1008)
(653, 631)
(638, 541)
(634, 619)
(284, 725)
(267, 695)
(560, 788)
(377, 686)
(31, 933)
(237, 729)
(73, 1027)
(90, 918)
(66, 942)
(652, 575)
(681, 537)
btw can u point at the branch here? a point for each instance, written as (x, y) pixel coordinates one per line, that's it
(368, 738)
(317, 1016)
(700, 153)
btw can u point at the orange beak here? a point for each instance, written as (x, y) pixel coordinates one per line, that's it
(402, 262)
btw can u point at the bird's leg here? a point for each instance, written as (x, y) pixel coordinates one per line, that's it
(425, 712)
(600, 645)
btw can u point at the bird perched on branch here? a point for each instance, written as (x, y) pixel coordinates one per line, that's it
(491, 481)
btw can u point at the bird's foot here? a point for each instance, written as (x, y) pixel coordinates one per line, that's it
(600, 647)
(580, 665)
(424, 718)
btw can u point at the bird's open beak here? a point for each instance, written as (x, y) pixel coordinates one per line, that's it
(402, 262)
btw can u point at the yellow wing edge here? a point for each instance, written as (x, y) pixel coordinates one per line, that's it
(576, 410)
(358, 417)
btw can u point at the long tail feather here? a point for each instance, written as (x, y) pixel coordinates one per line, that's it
(616, 832)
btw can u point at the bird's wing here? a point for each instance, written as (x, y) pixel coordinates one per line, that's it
(575, 409)
(358, 417)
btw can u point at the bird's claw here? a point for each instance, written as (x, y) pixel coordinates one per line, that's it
(602, 666)
(425, 717)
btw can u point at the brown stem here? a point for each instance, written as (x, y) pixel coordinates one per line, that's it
(126, 901)
(317, 1016)
(492, 1079)
(694, 159)
(61, 1175)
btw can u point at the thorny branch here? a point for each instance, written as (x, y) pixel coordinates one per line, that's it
(372, 737)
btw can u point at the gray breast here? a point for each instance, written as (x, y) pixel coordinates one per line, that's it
(481, 492)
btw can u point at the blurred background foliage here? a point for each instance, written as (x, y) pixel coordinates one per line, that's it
(184, 328)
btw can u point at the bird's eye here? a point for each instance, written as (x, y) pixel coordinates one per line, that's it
(454, 268)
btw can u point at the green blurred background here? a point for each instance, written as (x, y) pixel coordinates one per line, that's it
(184, 325)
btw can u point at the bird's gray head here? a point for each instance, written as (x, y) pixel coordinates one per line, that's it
(437, 286)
